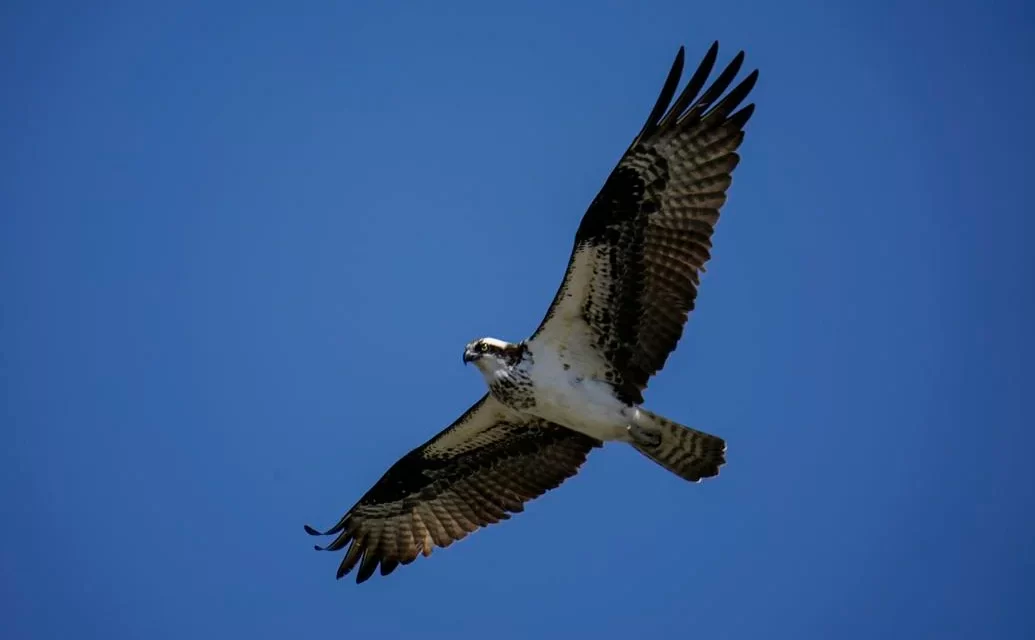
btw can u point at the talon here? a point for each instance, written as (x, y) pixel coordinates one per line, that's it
(643, 437)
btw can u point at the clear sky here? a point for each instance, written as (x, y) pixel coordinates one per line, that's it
(242, 247)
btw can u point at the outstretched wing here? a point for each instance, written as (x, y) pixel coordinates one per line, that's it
(632, 278)
(482, 468)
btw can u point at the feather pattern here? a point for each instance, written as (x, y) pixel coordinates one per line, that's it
(634, 270)
(478, 471)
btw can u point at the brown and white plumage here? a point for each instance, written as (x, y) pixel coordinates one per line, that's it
(478, 471)
(641, 246)
(619, 312)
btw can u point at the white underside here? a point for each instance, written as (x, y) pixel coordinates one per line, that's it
(574, 400)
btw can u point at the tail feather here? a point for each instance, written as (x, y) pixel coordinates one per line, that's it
(688, 453)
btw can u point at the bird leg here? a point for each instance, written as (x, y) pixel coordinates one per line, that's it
(643, 437)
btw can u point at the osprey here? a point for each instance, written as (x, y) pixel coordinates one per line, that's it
(578, 381)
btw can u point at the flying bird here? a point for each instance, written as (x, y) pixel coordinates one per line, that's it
(578, 380)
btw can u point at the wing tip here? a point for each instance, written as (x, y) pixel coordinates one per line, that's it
(713, 50)
(739, 119)
(751, 78)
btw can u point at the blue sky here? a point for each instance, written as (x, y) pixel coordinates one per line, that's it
(233, 235)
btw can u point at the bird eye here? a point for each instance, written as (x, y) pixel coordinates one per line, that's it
(482, 347)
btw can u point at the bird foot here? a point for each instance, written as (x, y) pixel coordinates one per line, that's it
(643, 437)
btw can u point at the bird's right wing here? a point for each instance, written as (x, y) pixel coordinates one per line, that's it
(476, 472)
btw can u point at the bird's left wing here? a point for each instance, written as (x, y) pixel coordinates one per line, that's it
(476, 472)
(632, 278)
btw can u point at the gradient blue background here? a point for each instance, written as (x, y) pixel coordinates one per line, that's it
(243, 246)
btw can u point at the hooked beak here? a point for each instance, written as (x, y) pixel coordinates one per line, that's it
(469, 356)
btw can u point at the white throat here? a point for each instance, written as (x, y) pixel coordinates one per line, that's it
(491, 368)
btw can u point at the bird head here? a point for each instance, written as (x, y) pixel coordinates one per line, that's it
(490, 354)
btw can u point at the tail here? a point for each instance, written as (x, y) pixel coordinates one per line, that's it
(688, 453)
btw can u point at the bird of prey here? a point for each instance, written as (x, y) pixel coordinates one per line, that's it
(578, 380)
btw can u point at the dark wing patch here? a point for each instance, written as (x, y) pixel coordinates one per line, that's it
(640, 248)
(478, 471)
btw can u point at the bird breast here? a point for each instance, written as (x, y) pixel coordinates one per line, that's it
(565, 395)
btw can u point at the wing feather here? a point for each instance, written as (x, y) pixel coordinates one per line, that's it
(634, 270)
(478, 471)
